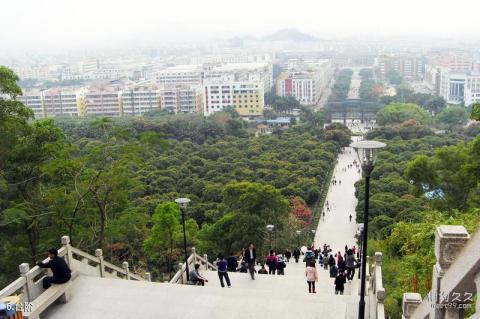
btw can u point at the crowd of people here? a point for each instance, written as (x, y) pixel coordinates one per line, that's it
(341, 266)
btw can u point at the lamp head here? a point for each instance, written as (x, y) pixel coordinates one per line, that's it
(367, 152)
(182, 202)
(313, 231)
(298, 232)
(270, 227)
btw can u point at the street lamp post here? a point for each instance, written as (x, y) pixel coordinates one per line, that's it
(270, 230)
(298, 238)
(313, 241)
(367, 152)
(183, 203)
(360, 232)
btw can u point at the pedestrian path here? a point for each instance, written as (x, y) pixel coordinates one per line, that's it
(336, 229)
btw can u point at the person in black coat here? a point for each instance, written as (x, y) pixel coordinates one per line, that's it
(296, 254)
(250, 255)
(232, 263)
(61, 271)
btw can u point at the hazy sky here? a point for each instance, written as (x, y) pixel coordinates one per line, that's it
(68, 24)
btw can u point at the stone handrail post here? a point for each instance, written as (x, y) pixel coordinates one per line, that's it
(68, 250)
(99, 255)
(194, 255)
(127, 270)
(411, 301)
(449, 241)
(206, 261)
(180, 266)
(147, 276)
(27, 289)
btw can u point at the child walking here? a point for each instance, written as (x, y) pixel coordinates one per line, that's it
(312, 277)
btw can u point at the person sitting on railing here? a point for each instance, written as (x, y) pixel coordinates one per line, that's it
(61, 271)
(243, 267)
(196, 277)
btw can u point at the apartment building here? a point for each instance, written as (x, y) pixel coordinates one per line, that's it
(139, 99)
(305, 79)
(247, 98)
(409, 66)
(103, 101)
(181, 74)
(53, 102)
(181, 99)
(241, 72)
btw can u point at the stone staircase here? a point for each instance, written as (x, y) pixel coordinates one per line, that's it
(276, 296)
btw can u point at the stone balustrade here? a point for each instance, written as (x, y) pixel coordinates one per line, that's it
(455, 277)
(376, 287)
(29, 285)
(180, 276)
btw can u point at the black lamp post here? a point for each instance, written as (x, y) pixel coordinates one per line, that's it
(183, 203)
(360, 233)
(313, 241)
(367, 152)
(270, 230)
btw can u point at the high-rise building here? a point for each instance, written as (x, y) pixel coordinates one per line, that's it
(241, 72)
(247, 98)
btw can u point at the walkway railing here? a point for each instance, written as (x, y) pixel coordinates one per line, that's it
(29, 285)
(455, 278)
(377, 289)
(180, 276)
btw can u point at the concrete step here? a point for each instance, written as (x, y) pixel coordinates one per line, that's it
(112, 298)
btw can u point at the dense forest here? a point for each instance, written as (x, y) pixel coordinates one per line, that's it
(421, 180)
(109, 183)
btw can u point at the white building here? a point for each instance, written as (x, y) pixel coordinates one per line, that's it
(305, 80)
(457, 87)
(103, 101)
(472, 89)
(53, 102)
(181, 74)
(181, 99)
(247, 98)
(241, 72)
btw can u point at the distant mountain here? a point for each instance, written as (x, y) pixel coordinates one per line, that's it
(293, 35)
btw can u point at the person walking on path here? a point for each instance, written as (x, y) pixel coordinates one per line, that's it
(309, 257)
(61, 271)
(296, 254)
(331, 261)
(281, 265)
(271, 262)
(341, 265)
(312, 277)
(325, 263)
(288, 255)
(250, 257)
(350, 217)
(222, 271)
(340, 283)
(232, 263)
(350, 262)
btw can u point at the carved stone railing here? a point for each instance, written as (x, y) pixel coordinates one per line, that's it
(29, 285)
(180, 276)
(376, 288)
(455, 278)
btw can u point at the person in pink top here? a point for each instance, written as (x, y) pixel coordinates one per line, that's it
(312, 277)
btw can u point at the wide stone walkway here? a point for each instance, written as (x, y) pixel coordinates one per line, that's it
(336, 229)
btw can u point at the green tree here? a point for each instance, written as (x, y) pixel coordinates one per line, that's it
(452, 116)
(475, 115)
(396, 113)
